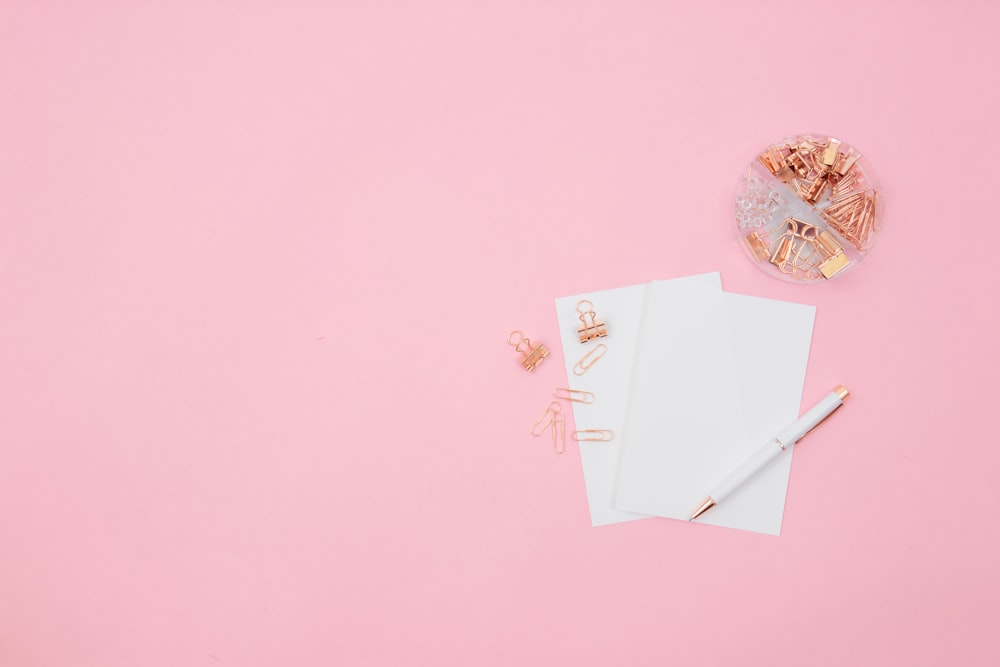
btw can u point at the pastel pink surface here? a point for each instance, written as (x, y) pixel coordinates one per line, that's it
(258, 265)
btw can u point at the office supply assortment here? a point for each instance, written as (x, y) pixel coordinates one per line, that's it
(685, 397)
(807, 209)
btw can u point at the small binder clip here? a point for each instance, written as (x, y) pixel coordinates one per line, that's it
(552, 418)
(530, 356)
(757, 247)
(575, 395)
(593, 435)
(591, 328)
(589, 359)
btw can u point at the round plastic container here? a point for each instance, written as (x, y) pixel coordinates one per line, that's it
(807, 209)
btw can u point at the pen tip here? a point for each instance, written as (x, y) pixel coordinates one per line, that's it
(707, 504)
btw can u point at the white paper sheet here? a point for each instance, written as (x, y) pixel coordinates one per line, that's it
(769, 342)
(684, 422)
(772, 341)
(621, 310)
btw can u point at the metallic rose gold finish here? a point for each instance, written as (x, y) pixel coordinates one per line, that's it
(574, 395)
(591, 327)
(757, 247)
(768, 162)
(783, 252)
(785, 174)
(593, 435)
(834, 265)
(846, 165)
(530, 356)
(545, 419)
(831, 152)
(552, 418)
(844, 185)
(822, 172)
(842, 392)
(558, 432)
(844, 199)
(796, 162)
(829, 244)
(854, 218)
(817, 189)
(707, 504)
(589, 359)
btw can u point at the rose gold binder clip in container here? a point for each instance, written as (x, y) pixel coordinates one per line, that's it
(808, 209)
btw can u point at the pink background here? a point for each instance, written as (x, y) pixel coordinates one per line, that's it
(258, 265)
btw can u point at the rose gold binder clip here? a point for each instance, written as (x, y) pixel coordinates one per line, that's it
(589, 359)
(575, 395)
(553, 419)
(530, 356)
(801, 249)
(592, 328)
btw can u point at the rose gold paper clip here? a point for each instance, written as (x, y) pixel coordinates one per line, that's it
(593, 435)
(552, 418)
(589, 359)
(530, 356)
(558, 432)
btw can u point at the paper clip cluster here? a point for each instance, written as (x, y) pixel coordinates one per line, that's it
(552, 418)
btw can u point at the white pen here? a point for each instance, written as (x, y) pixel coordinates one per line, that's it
(784, 440)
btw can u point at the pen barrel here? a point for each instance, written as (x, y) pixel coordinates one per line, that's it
(810, 420)
(786, 439)
(746, 470)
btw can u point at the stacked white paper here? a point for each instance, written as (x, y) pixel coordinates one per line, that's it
(693, 381)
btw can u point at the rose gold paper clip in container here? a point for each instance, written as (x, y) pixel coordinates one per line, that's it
(808, 209)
